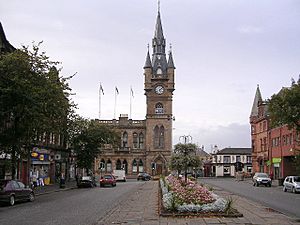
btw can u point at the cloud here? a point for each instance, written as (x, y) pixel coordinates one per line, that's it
(250, 30)
(232, 135)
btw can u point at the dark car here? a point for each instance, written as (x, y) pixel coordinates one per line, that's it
(143, 176)
(86, 181)
(13, 190)
(261, 178)
(108, 180)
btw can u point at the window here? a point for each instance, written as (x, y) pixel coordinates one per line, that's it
(102, 165)
(159, 136)
(109, 166)
(238, 158)
(226, 170)
(118, 165)
(135, 140)
(141, 166)
(134, 166)
(159, 71)
(141, 141)
(125, 140)
(159, 108)
(249, 159)
(226, 159)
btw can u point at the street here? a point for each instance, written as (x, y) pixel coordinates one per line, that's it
(78, 206)
(274, 198)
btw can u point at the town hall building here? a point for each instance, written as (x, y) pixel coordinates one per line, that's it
(146, 145)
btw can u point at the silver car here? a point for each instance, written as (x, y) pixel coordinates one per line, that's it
(261, 178)
(292, 183)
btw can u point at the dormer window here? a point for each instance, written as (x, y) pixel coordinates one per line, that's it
(159, 71)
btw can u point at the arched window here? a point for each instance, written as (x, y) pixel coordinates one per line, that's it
(156, 137)
(134, 166)
(102, 165)
(125, 140)
(159, 108)
(141, 166)
(108, 166)
(141, 141)
(159, 71)
(118, 165)
(135, 140)
(161, 137)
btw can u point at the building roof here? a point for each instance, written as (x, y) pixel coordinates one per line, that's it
(170, 61)
(5, 46)
(148, 63)
(257, 99)
(200, 152)
(235, 151)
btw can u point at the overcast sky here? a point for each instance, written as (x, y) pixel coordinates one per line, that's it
(222, 49)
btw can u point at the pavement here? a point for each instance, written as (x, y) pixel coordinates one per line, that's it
(47, 189)
(141, 208)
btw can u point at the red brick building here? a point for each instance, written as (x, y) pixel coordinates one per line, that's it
(273, 149)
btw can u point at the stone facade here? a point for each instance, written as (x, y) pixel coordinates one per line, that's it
(146, 145)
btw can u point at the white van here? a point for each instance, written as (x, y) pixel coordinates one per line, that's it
(119, 175)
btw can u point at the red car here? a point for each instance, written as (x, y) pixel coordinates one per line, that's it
(108, 180)
(13, 190)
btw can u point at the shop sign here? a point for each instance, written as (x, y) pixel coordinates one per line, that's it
(41, 150)
(276, 160)
(36, 156)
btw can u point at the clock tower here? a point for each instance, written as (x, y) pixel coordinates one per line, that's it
(159, 87)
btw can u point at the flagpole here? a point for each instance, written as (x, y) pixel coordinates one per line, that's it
(131, 96)
(100, 101)
(116, 92)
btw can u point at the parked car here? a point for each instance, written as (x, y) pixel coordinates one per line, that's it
(108, 180)
(13, 190)
(143, 176)
(119, 175)
(261, 178)
(292, 183)
(86, 181)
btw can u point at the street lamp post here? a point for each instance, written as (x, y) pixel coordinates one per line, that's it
(186, 139)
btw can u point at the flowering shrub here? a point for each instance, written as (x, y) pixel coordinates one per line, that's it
(189, 197)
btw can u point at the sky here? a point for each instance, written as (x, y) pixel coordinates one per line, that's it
(222, 50)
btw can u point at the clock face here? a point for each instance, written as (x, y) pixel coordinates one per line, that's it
(159, 90)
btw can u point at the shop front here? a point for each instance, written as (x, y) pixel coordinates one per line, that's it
(40, 167)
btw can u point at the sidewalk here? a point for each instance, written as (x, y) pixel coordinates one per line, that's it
(141, 208)
(54, 188)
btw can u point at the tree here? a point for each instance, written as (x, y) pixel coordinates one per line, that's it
(33, 100)
(284, 107)
(184, 157)
(87, 144)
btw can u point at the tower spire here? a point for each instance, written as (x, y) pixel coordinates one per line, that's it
(5, 46)
(148, 63)
(257, 99)
(159, 60)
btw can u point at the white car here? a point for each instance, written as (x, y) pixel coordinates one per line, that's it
(291, 183)
(261, 178)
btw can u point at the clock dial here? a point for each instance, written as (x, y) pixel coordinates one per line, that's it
(159, 90)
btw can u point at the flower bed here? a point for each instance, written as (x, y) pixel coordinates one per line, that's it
(191, 198)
